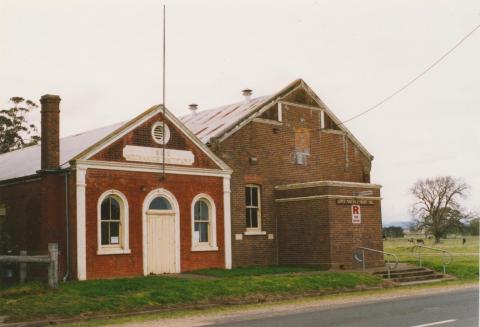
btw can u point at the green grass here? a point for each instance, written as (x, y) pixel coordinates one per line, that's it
(34, 301)
(253, 271)
(465, 265)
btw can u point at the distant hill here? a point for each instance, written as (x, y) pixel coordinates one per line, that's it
(401, 223)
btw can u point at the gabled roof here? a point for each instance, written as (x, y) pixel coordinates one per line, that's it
(220, 122)
(27, 161)
(137, 121)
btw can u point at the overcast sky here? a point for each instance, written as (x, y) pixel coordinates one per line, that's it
(104, 58)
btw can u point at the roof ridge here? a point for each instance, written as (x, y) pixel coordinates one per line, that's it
(224, 106)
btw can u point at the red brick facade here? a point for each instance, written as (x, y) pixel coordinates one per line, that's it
(36, 206)
(303, 232)
(303, 163)
(135, 186)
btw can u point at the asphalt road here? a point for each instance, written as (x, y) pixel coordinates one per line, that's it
(455, 309)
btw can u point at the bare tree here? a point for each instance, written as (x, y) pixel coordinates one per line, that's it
(437, 207)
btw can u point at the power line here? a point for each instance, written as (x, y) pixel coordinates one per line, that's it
(426, 70)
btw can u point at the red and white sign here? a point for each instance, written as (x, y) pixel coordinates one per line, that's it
(356, 215)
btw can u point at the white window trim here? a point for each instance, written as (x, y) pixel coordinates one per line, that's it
(212, 244)
(123, 246)
(256, 230)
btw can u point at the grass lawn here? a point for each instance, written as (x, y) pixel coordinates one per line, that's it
(33, 300)
(253, 271)
(465, 257)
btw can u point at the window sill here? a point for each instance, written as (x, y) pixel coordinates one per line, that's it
(107, 251)
(204, 248)
(254, 232)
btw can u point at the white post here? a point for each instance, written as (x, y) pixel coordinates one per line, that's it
(81, 225)
(23, 268)
(53, 265)
(227, 222)
(279, 112)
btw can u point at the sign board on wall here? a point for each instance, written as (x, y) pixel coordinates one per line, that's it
(356, 201)
(155, 155)
(356, 214)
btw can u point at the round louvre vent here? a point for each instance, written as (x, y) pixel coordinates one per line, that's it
(160, 133)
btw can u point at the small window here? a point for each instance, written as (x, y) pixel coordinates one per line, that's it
(252, 201)
(201, 220)
(160, 133)
(112, 223)
(160, 203)
(204, 235)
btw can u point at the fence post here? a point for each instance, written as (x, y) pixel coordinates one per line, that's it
(53, 266)
(363, 260)
(23, 268)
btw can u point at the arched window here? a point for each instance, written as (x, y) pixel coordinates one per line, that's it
(201, 221)
(203, 224)
(113, 223)
(160, 203)
(110, 221)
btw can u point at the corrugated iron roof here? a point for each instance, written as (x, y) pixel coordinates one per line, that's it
(204, 125)
(211, 123)
(25, 162)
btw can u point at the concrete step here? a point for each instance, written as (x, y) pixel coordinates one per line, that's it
(412, 276)
(400, 274)
(417, 278)
(399, 270)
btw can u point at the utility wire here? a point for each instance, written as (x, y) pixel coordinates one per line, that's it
(426, 70)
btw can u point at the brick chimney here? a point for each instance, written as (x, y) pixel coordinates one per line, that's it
(50, 131)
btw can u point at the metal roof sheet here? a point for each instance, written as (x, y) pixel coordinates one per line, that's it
(210, 123)
(26, 161)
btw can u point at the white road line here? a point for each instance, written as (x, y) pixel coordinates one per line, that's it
(436, 323)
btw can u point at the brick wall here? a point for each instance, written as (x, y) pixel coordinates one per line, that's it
(23, 212)
(316, 230)
(304, 233)
(332, 157)
(36, 216)
(135, 186)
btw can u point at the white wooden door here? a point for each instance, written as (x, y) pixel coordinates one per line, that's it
(161, 243)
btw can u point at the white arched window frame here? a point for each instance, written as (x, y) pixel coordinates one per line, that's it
(211, 245)
(123, 245)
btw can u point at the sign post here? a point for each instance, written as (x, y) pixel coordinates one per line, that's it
(356, 214)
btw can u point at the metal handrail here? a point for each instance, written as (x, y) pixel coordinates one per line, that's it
(444, 257)
(389, 267)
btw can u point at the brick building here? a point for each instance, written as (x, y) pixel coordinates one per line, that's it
(113, 204)
(297, 175)
(269, 180)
